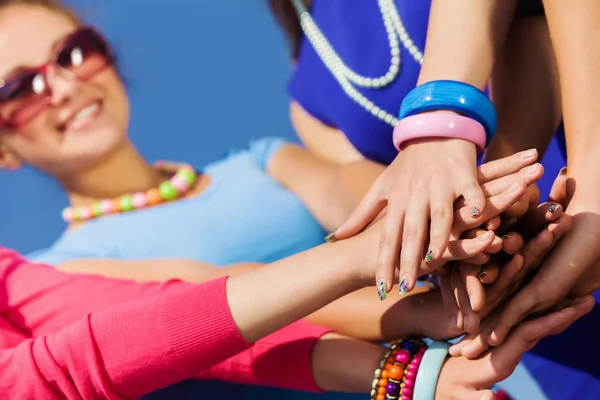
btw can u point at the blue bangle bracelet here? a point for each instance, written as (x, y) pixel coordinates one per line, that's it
(454, 96)
(429, 370)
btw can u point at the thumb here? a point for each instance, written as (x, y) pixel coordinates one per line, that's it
(558, 192)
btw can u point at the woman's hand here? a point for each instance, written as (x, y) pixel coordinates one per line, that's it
(420, 186)
(463, 379)
(463, 287)
(413, 190)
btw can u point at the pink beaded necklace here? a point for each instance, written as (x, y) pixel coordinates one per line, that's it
(182, 181)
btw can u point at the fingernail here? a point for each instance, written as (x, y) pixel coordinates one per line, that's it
(485, 237)
(329, 237)
(527, 154)
(429, 256)
(475, 211)
(563, 171)
(483, 273)
(403, 286)
(505, 237)
(515, 187)
(381, 290)
(552, 208)
(531, 170)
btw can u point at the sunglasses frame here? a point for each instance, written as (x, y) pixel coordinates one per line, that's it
(51, 68)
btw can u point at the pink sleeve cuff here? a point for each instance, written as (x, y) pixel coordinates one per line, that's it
(282, 359)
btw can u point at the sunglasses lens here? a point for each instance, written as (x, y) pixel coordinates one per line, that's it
(84, 54)
(22, 97)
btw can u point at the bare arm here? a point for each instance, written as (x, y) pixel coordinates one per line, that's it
(329, 191)
(157, 270)
(525, 90)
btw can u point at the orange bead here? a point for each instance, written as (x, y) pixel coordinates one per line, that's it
(383, 382)
(153, 197)
(380, 397)
(396, 372)
(389, 366)
(385, 374)
(116, 205)
(382, 390)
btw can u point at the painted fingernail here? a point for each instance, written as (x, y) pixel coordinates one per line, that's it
(552, 208)
(563, 171)
(429, 256)
(475, 211)
(527, 154)
(531, 170)
(381, 290)
(483, 273)
(329, 237)
(403, 286)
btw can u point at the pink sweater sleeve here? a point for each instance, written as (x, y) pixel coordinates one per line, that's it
(94, 337)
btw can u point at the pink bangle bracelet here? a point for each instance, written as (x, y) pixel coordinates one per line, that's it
(439, 124)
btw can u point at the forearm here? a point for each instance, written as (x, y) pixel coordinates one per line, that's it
(525, 90)
(362, 315)
(463, 39)
(329, 191)
(292, 288)
(157, 270)
(575, 32)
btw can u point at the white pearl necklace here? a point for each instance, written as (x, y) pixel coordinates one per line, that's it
(345, 76)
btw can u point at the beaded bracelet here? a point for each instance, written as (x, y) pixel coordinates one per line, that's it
(396, 376)
(454, 96)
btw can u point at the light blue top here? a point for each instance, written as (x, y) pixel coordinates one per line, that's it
(242, 216)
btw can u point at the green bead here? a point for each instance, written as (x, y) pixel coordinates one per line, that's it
(167, 191)
(126, 203)
(96, 210)
(77, 214)
(188, 175)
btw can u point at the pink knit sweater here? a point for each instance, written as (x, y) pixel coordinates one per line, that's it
(69, 336)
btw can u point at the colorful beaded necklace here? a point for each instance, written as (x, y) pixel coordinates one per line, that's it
(182, 181)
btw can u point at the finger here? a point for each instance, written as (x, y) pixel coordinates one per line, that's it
(512, 242)
(529, 175)
(474, 198)
(493, 223)
(461, 250)
(496, 245)
(473, 285)
(519, 307)
(440, 226)
(495, 205)
(413, 238)
(462, 299)
(505, 357)
(518, 209)
(449, 301)
(505, 166)
(366, 211)
(489, 272)
(479, 259)
(389, 247)
(500, 288)
(475, 342)
(538, 219)
(470, 393)
(558, 192)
